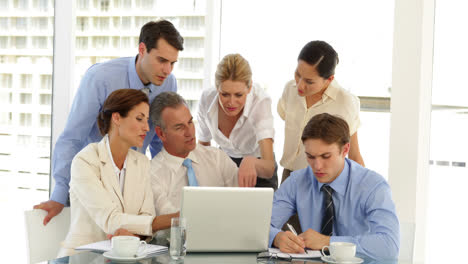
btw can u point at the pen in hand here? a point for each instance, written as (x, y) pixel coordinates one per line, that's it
(291, 228)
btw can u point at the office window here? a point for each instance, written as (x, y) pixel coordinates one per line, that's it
(26, 50)
(126, 23)
(5, 80)
(25, 119)
(449, 127)
(126, 4)
(100, 42)
(194, 44)
(145, 4)
(3, 42)
(272, 45)
(21, 23)
(82, 5)
(40, 42)
(82, 23)
(5, 118)
(44, 120)
(46, 82)
(45, 99)
(126, 43)
(43, 142)
(4, 22)
(19, 42)
(25, 98)
(41, 5)
(26, 80)
(103, 5)
(192, 23)
(24, 140)
(82, 43)
(4, 4)
(40, 23)
(101, 23)
(21, 4)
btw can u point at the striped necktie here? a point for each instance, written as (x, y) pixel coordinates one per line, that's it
(192, 180)
(329, 213)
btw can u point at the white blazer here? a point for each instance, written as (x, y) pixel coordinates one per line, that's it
(97, 205)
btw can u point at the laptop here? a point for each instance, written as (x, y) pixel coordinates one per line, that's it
(227, 219)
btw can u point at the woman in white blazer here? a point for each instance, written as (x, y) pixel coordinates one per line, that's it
(110, 188)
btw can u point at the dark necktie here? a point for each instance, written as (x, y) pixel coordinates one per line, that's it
(146, 90)
(329, 215)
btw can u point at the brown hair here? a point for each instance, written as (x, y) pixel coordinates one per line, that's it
(235, 68)
(152, 31)
(119, 101)
(329, 128)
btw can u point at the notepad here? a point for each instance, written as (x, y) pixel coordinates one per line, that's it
(104, 246)
(276, 253)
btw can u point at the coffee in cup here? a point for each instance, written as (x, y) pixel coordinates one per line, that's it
(341, 251)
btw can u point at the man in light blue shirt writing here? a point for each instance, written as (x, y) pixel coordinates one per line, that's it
(336, 199)
(150, 71)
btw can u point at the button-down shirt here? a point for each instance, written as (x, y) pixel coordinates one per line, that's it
(81, 128)
(292, 108)
(212, 168)
(255, 123)
(364, 209)
(119, 173)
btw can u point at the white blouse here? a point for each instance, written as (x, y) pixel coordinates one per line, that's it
(293, 109)
(255, 123)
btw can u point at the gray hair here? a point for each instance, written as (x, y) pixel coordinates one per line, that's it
(163, 100)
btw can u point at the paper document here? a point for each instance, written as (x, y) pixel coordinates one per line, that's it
(310, 254)
(105, 245)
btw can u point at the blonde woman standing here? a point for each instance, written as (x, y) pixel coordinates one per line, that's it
(237, 115)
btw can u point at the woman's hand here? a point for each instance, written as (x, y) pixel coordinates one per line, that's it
(121, 232)
(247, 172)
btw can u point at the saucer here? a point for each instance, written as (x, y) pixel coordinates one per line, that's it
(109, 255)
(353, 260)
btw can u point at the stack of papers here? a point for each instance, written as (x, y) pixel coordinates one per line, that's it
(104, 246)
(309, 254)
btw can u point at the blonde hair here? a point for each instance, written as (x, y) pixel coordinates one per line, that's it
(233, 67)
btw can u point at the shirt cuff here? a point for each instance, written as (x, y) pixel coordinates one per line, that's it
(267, 133)
(60, 195)
(204, 139)
(273, 233)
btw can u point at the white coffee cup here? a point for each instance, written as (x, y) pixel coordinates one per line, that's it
(341, 251)
(127, 246)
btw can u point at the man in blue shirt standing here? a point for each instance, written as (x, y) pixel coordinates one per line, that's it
(149, 71)
(336, 199)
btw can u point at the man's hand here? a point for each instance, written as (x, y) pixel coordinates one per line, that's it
(247, 172)
(121, 232)
(53, 208)
(314, 240)
(287, 242)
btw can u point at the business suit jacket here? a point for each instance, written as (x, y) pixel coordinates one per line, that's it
(98, 207)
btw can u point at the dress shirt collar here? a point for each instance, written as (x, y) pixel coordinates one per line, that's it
(248, 104)
(340, 184)
(109, 152)
(213, 108)
(134, 79)
(174, 162)
(331, 91)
